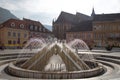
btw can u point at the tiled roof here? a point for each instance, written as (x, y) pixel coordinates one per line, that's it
(35, 23)
(107, 17)
(82, 17)
(66, 17)
(71, 18)
(16, 21)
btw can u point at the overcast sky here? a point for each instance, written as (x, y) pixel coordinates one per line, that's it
(45, 10)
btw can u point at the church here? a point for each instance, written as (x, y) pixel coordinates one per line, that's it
(96, 30)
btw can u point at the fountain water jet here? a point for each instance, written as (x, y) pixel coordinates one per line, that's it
(82, 46)
(34, 43)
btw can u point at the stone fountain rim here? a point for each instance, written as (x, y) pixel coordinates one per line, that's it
(13, 65)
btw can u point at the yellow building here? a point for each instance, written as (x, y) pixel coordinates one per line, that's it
(106, 29)
(13, 33)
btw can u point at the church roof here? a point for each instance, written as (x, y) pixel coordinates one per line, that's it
(82, 17)
(82, 26)
(107, 17)
(71, 18)
(66, 17)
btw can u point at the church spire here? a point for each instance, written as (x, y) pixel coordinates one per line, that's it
(93, 12)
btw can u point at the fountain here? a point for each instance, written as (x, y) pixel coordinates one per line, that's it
(56, 60)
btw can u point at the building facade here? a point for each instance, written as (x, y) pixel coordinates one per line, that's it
(106, 29)
(15, 33)
(82, 31)
(65, 22)
(98, 30)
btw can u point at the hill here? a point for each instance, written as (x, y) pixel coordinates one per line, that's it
(48, 27)
(5, 15)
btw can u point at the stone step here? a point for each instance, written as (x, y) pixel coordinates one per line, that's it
(112, 60)
(113, 74)
(108, 56)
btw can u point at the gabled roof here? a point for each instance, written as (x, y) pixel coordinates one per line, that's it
(107, 17)
(82, 17)
(66, 17)
(71, 18)
(29, 20)
(16, 21)
(26, 22)
(82, 26)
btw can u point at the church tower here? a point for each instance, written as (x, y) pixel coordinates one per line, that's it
(93, 13)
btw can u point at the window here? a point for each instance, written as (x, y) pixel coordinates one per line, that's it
(14, 42)
(14, 34)
(18, 42)
(89, 35)
(25, 35)
(31, 27)
(36, 28)
(22, 26)
(18, 35)
(9, 42)
(39, 28)
(9, 33)
(12, 24)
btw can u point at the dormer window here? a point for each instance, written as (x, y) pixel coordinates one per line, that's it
(31, 27)
(36, 28)
(12, 24)
(40, 28)
(22, 26)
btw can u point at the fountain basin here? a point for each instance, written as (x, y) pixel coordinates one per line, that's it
(14, 69)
